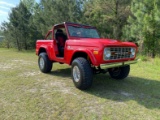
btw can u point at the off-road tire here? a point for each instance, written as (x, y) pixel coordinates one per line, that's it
(85, 73)
(47, 66)
(119, 73)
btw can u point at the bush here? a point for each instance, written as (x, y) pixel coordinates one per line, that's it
(143, 58)
(5, 44)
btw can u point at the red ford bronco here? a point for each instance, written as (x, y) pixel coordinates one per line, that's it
(81, 47)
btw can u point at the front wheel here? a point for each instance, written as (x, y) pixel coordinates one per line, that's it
(82, 73)
(119, 73)
(45, 65)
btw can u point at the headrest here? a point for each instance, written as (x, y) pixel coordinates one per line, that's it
(59, 31)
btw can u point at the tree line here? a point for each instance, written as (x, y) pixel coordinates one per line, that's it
(127, 20)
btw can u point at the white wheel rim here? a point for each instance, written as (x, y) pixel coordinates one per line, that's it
(76, 74)
(41, 63)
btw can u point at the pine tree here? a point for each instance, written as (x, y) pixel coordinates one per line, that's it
(144, 24)
(109, 16)
(57, 11)
(5, 32)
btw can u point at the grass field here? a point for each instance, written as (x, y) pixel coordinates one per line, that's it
(28, 94)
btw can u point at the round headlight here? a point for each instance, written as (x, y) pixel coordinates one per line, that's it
(107, 54)
(133, 51)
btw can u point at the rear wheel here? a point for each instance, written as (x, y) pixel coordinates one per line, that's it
(82, 73)
(45, 65)
(119, 73)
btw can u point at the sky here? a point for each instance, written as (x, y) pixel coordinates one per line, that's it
(5, 8)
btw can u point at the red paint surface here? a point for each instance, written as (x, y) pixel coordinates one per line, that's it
(86, 45)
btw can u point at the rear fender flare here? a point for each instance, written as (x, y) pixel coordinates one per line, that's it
(46, 49)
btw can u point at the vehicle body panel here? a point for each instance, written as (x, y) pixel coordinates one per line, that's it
(93, 47)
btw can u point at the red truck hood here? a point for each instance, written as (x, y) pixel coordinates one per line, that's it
(101, 42)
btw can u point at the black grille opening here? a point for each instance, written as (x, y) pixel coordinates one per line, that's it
(120, 53)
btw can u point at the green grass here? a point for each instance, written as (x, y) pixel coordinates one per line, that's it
(28, 94)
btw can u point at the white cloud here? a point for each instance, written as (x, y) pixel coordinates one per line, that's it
(3, 16)
(3, 7)
(3, 12)
(7, 4)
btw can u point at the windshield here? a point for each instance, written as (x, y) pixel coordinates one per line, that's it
(83, 32)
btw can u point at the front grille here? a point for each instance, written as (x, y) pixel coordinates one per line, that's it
(120, 53)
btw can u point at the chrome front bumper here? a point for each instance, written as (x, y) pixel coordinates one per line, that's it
(118, 64)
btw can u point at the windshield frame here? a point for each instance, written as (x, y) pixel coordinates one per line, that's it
(82, 27)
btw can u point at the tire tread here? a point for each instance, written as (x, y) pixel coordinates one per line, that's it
(87, 74)
(48, 63)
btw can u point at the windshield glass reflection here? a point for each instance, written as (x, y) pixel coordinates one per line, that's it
(83, 32)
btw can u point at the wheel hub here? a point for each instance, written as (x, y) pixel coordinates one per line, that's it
(41, 63)
(76, 74)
